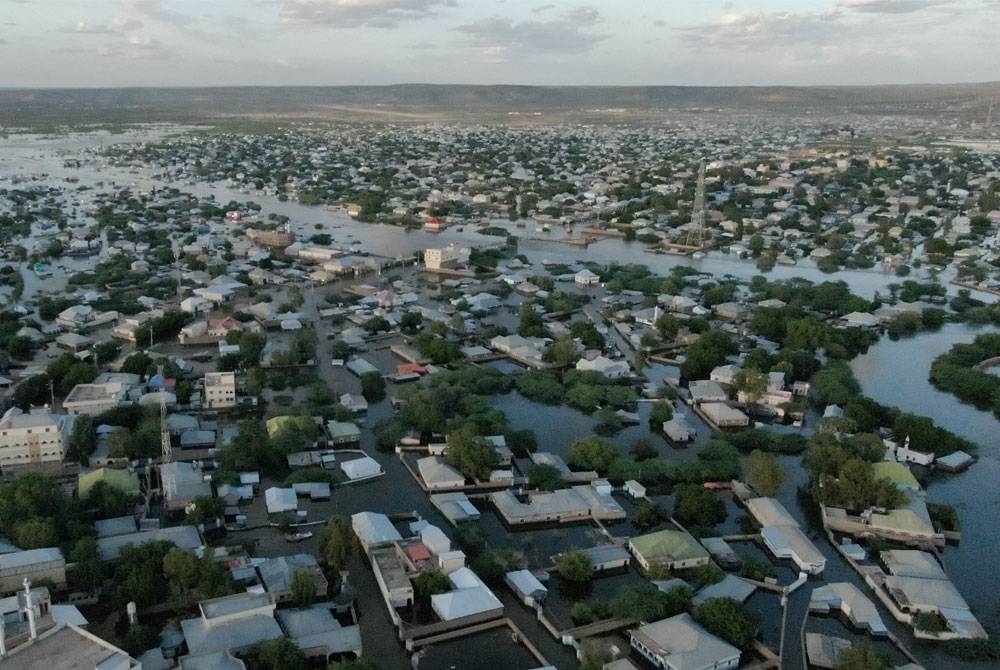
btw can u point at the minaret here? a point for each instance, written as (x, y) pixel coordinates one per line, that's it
(29, 609)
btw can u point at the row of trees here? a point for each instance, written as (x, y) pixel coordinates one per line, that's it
(717, 461)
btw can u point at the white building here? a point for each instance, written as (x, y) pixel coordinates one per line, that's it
(76, 316)
(612, 369)
(95, 398)
(195, 304)
(220, 389)
(447, 257)
(586, 277)
(32, 438)
(34, 565)
(678, 643)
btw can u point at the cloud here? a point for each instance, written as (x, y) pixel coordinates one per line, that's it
(763, 30)
(890, 6)
(2, 41)
(500, 37)
(154, 10)
(144, 47)
(358, 13)
(424, 46)
(542, 8)
(584, 14)
(115, 26)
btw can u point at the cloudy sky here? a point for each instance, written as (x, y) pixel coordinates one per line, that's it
(711, 42)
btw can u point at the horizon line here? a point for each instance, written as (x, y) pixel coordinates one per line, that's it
(505, 85)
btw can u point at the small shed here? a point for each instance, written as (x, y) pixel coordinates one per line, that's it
(280, 500)
(635, 489)
(526, 586)
(361, 468)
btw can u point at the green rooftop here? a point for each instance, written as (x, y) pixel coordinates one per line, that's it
(122, 480)
(897, 473)
(668, 546)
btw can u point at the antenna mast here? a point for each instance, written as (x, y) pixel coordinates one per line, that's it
(177, 268)
(167, 454)
(696, 229)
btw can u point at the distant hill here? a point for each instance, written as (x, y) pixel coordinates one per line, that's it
(418, 102)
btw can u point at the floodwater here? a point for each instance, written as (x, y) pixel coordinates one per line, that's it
(895, 373)
(890, 372)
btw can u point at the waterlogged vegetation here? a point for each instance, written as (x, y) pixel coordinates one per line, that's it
(960, 371)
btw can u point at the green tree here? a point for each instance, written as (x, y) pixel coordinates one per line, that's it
(575, 566)
(88, 570)
(751, 382)
(661, 412)
(32, 391)
(757, 569)
(643, 449)
(861, 657)
(437, 349)
(587, 333)
(137, 364)
(428, 584)
(709, 351)
(181, 568)
(544, 477)
(411, 322)
(649, 515)
(83, 440)
(668, 326)
(106, 501)
(303, 588)
(530, 323)
(206, 509)
(697, 506)
(256, 381)
(338, 543)
(541, 386)
(648, 603)
(592, 453)
(139, 574)
(78, 373)
(376, 324)
(806, 333)
(140, 638)
(561, 352)
(764, 473)
(471, 454)
(35, 534)
(733, 621)
(279, 654)
(372, 386)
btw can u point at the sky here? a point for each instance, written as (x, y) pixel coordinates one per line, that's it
(112, 43)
